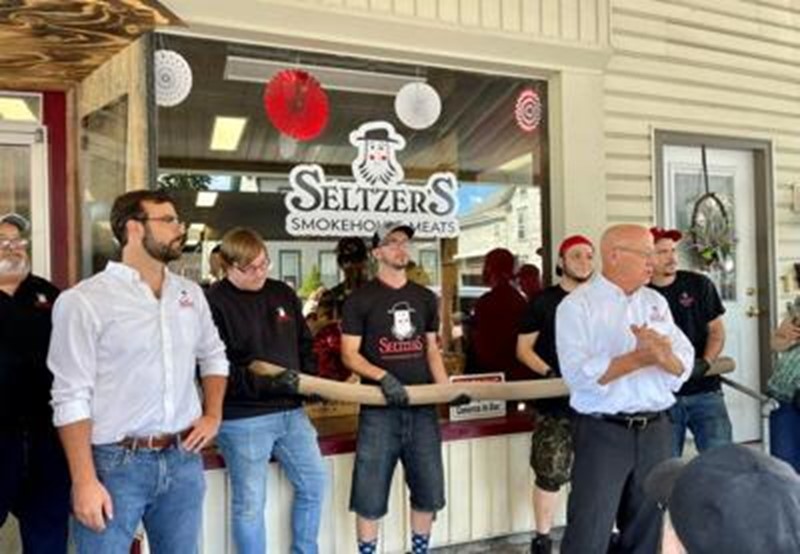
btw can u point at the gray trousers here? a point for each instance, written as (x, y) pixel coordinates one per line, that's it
(611, 463)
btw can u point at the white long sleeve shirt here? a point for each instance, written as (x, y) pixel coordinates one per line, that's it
(127, 360)
(593, 327)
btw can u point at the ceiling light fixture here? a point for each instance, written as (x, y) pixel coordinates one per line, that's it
(15, 109)
(206, 199)
(253, 70)
(227, 133)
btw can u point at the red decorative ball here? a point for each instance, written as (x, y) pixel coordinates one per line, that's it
(296, 104)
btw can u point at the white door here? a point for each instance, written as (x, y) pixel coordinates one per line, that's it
(23, 185)
(731, 179)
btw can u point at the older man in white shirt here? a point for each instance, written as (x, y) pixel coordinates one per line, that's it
(125, 347)
(623, 359)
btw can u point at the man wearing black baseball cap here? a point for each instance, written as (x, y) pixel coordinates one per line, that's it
(732, 500)
(34, 481)
(352, 258)
(389, 338)
(697, 310)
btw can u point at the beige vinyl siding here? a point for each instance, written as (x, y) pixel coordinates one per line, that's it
(729, 68)
(571, 21)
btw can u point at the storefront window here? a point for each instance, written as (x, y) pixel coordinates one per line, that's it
(484, 138)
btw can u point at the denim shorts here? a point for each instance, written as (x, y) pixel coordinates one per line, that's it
(386, 435)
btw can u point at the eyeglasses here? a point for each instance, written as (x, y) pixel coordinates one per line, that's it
(252, 269)
(13, 244)
(168, 219)
(646, 254)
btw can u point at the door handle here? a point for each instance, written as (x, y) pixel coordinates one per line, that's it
(752, 311)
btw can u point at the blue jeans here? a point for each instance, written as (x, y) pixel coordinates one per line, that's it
(164, 488)
(784, 434)
(247, 445)
(386, 435)
(705, 414)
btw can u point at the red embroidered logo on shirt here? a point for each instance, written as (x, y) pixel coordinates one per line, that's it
(282, 315)
(657, 316)
(42, 302)
(185, 301)
(686, 300)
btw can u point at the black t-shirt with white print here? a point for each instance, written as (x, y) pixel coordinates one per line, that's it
(392, 324)
(694, 303)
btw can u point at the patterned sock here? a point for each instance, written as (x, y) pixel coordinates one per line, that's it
(419, 543)
(368, 547)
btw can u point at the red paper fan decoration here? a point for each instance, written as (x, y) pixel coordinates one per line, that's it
(296, 104)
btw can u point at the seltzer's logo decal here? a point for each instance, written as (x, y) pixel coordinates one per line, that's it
(402, 326)
(321, 207)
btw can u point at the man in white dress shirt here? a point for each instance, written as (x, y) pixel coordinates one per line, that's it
(623, 359)
(124, 351)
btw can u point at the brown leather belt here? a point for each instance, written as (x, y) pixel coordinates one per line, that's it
(154, 442)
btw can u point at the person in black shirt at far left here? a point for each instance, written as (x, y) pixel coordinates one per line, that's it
(261, 319)
(34, 480)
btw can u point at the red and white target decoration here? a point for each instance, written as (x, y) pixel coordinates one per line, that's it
(528, 110)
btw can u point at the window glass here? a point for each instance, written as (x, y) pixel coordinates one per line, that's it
(491, 136)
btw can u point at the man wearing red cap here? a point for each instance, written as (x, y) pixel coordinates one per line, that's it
(495, 323)
(551, 442)
(697, 309)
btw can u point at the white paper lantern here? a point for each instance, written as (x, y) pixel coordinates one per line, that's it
(418, 105)
(173, 78)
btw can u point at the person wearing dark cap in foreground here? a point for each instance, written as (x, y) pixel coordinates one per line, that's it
(495, 323)
(389, 338)
(697, 309)
(730, 500)
(622, 357)
(34, 480)
(551, 442)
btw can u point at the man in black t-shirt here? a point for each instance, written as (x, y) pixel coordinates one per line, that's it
(551, 443)
(697, 309)
(389, 337)
(34, 480)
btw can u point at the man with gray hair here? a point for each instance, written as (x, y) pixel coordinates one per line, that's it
(34, 481)
(623, 358)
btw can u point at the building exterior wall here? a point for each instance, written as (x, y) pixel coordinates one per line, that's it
(704, 66)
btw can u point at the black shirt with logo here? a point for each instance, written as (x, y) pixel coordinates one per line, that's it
(694, 303)
(268, 325)
(25, 381)
(392, 324)
(540, 317)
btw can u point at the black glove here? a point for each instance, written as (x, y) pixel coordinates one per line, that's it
(460, 400)
(701, 366)
(796, 399)
(286, 382)
(393, 390)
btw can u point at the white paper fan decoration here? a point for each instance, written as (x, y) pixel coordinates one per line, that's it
(418, 105)
(173, 78)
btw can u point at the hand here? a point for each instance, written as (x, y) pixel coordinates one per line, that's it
(789, 331)
(701, 367)
(203, 430)
(286, 382)
(654, 347)
(460, 400)
(92, 505)
(796, 399)
(393, 390)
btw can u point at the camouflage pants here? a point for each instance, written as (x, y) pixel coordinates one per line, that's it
(551, 451)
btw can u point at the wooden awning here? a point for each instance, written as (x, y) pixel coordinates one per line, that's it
(55, 44)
